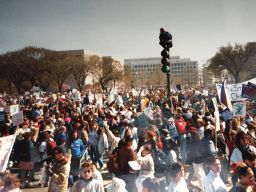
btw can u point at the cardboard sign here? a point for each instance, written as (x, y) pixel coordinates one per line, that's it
(226, 115)
(14, 109)
(17, 118)
(239, 109)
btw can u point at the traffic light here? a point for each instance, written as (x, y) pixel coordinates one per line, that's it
(165, 61)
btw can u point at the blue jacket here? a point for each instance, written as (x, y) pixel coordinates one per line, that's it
(77, 148)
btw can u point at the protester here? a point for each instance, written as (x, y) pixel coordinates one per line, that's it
(213, 181)
(26, 159)
(9, 183)
(59, 171)
(151, 185)
(87, 182)
(146, 163)
(178, 183)
(246, 180)
(77, 151)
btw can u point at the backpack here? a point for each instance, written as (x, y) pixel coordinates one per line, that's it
(160, 163)
(51, 145)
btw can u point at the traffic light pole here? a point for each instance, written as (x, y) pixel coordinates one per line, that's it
(168, 75)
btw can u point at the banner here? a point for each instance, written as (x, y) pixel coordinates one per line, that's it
(6, 145)
(17, 118)
(239, 109)
(235, 90)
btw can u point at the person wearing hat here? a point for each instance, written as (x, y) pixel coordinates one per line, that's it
(59, 171)
(117, 185)
(87, 183)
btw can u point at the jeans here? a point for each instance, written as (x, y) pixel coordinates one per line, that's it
(99, 159)
(182, 147)
(75, 167)
(225, 168)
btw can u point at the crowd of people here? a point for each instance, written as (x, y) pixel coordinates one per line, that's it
(148, 142)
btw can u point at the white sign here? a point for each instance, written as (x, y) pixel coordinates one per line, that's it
(6, 145)
(17, 118)
(235, 91)
(239, 109)
(14, 109)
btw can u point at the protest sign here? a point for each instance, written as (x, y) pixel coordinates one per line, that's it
(17, 118)
(226, 115)
(6, 145)
(239, 109)
(2, 116)
(14, 109)
(249, 91)
(235, 91)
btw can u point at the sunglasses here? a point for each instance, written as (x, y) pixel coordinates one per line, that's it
(87, 171)
(244, 137)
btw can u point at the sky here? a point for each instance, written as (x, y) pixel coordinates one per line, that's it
(127, 29)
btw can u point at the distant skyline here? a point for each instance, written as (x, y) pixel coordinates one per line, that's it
(127, 29)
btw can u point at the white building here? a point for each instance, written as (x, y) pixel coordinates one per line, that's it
(147, 71)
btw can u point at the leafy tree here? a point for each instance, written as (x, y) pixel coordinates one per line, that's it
(35, 61)
(232, 58)
(12, 70)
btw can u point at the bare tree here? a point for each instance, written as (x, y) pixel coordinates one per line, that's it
(82, 68)
(232, 58)
(106, 69)
(61, 69)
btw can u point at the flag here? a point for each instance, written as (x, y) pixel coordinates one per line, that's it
(225, 96)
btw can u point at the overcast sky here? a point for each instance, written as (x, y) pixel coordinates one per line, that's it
(127, 28)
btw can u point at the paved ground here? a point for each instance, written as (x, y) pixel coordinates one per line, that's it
(105, 174)
(107, 177)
